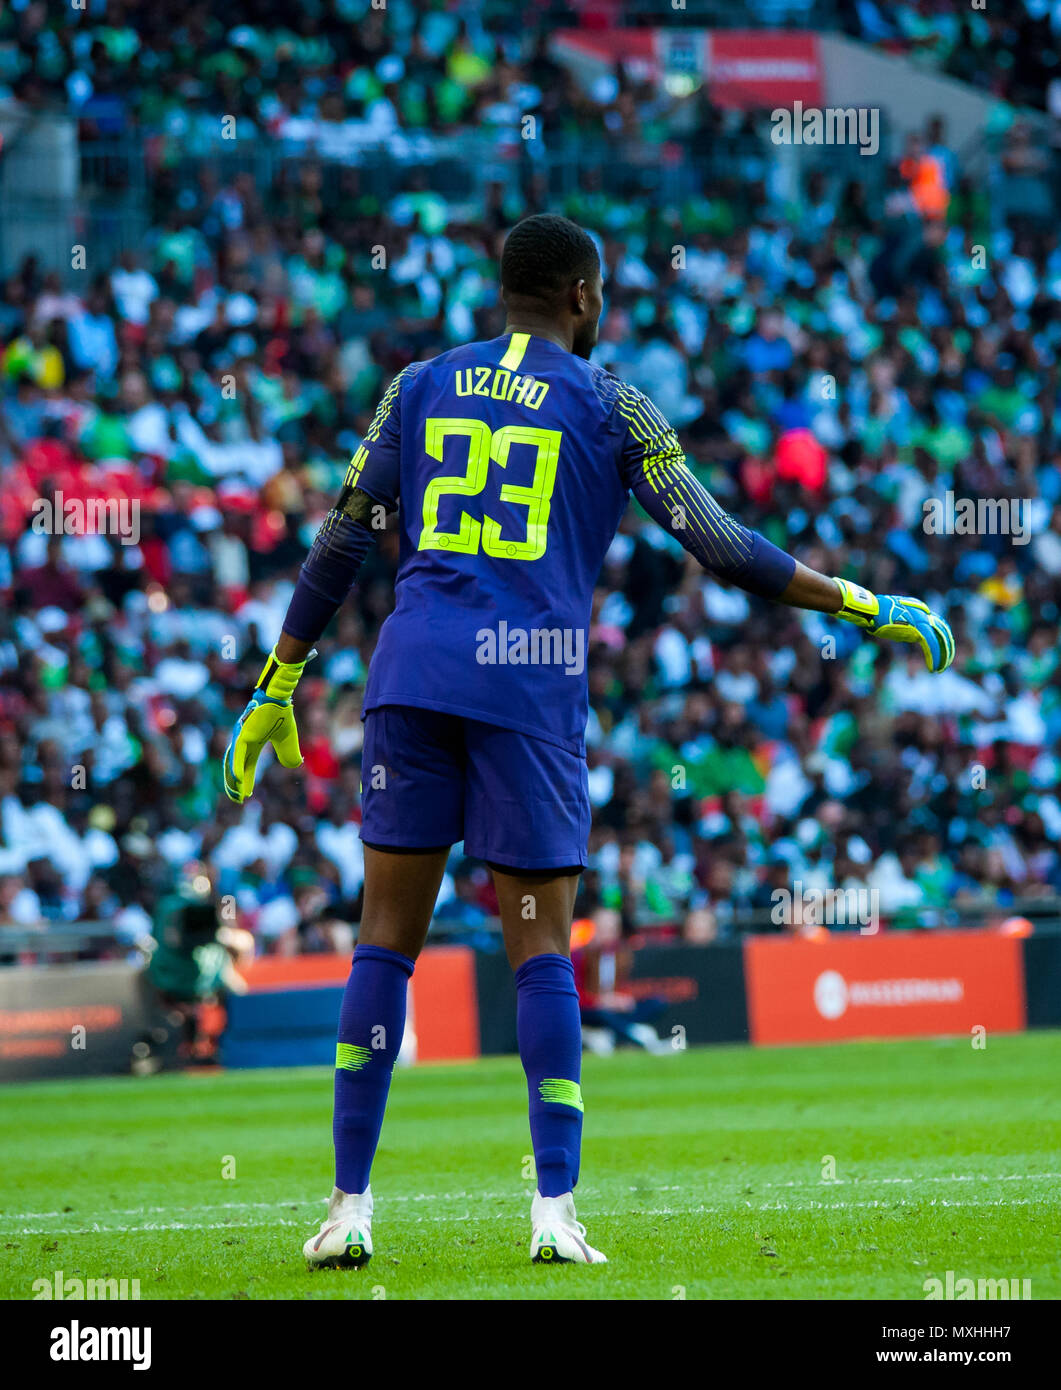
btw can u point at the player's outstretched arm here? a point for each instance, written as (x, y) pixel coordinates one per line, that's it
(660, 479)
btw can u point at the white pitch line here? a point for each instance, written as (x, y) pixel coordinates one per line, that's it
(147, 1227)
(518, 1196)
(282, 1202)
(952, 1177)
(509, 1196)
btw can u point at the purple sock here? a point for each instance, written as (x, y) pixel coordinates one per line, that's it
(371, 1024)
(549, 1029)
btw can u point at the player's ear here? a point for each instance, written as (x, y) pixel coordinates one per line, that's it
(578, 297)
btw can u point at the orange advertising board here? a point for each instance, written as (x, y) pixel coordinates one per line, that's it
(894, 985)
(443, 1002)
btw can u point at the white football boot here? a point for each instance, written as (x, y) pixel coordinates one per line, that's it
(345, 1238)
(557, 1237)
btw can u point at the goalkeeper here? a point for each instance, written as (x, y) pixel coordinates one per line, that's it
(514, 460)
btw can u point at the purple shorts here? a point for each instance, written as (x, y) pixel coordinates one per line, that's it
(430, 779)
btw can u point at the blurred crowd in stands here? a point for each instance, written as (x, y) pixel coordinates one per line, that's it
(831, 361)
(1009, 50)
(362, 69)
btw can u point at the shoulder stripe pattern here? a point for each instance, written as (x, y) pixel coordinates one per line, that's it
(714, 537)
(384, 407)
(383, 410)
(517, 346)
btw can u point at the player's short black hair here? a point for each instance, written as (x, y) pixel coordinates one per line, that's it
(544, 255)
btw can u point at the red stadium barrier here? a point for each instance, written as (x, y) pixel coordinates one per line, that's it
(896, 985)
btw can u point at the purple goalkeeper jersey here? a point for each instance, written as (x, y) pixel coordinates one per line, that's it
(512, 461)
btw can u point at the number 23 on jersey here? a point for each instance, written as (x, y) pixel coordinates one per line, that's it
(486, 447)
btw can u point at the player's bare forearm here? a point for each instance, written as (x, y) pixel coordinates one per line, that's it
(809, 589)
(290, 650)
(892, 617)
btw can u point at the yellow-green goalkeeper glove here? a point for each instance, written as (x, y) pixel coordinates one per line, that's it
(899, 619)
(268, 718)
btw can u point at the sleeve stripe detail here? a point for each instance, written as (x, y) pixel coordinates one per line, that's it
(695, 499)
(357, 463)
(665, 470)
(654, 465)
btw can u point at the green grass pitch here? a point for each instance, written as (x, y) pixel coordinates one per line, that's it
(702, 1177)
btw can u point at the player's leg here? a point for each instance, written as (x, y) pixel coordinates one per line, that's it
(527, 815)
(536, 920)
(536, 911)
(400, 893)
(412, 800)
(536, 915)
